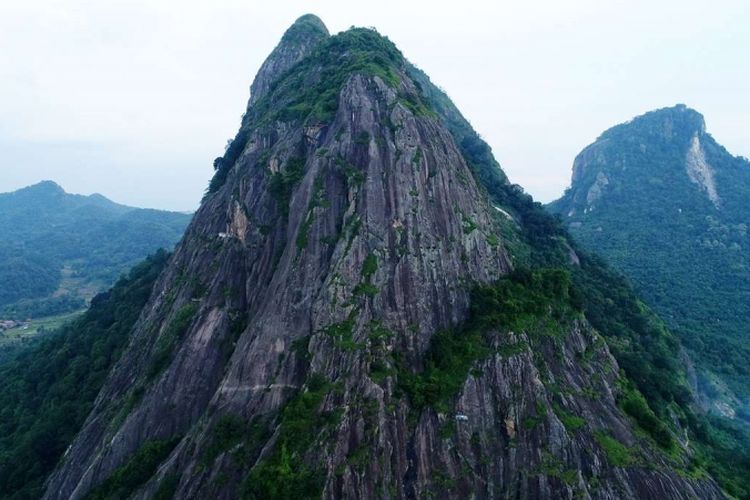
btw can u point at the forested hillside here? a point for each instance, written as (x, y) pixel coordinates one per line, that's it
(667, 205)
(47, 391)
(57, 249)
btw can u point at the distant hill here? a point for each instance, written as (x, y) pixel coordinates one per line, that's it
(670, 207)
(57, 249)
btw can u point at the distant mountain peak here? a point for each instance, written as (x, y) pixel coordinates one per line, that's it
(48, 231)
(45, 186)
(48, 198)
(666, 149)
(667, 205)
(666, 122)
(99, 196)
(684, 117)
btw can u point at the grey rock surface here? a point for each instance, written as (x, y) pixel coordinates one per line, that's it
(265, 283)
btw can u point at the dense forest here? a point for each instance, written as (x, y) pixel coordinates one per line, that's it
(59, 249)
(48, 390)
(684, 244)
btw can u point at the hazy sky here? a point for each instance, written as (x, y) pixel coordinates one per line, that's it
(134, 99)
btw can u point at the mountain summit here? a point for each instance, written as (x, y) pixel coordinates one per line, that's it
(664, 146)
(298, 41)
(358, 310)
(668, 206)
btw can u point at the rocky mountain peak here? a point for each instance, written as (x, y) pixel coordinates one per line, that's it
(43, 188)
(319, 331)
(665, 123)
(664, 147)
(298, 41)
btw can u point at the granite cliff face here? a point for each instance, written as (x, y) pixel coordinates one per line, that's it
(287, 348)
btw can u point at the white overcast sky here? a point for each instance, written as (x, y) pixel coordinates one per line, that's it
(134, 99)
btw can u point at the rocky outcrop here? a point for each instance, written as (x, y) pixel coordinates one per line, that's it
(631, 145)
(596, 189)
(311, 283)
(699, 171)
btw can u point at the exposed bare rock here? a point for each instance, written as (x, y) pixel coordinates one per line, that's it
(595, 191)
(700, 172)
(358, 242)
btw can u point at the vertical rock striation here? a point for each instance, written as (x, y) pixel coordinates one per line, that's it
(343, 233)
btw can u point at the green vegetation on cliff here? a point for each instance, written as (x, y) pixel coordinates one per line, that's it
(284, 474)
(515, 303)
(125, 480)
(48, 390)
(645, 349)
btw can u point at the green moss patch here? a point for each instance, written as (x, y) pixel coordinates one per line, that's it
(511, 304)
(284, 474)
(617, 453)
